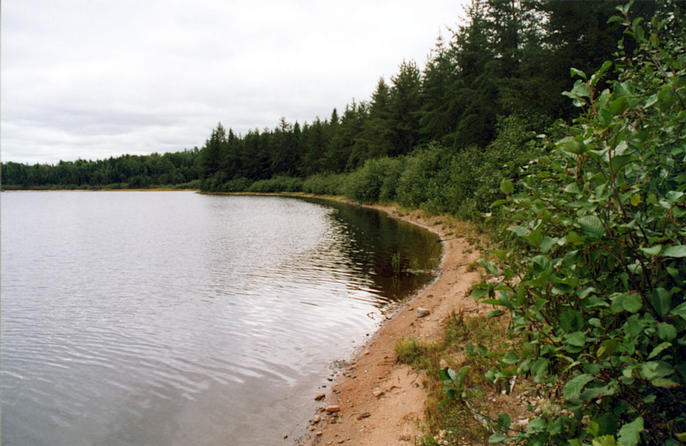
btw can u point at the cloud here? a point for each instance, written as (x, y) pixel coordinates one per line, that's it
(94, 79)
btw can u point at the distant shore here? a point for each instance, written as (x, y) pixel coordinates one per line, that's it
(148, 189)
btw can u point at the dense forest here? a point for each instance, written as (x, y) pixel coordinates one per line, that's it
(510, 62)
(558, 127)
(180, 169)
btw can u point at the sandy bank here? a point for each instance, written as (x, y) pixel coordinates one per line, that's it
(379, 401)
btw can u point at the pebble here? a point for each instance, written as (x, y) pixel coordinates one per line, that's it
(422, 312)
(333, 408)
(320, 397)
(523, 422)
(364, 415)
(377, 393)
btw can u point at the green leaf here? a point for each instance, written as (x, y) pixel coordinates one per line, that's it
(666, 332)
(678, 251)
(519, 230)
(547, 243)
(593, 428)
(539, 369)
(573, 387)
(497, 438)
(510, 358)
(632, 302)
(655, 369)
(626, 302)
(495, 313)
(659, 349)
(653, 250)
(504, 420)
(571, 320)
(592, 393)
(478, 293)
(572, 145)
(609, 347)
(664, 383)
(577, 339)
(629, 434)
(680, 311)
(537, 425)
(451, 374)
(542, 264)
(592, 225)
(576, 72)
(506, 186)
(605, 440)
(574, 238)
(581, 89)
(488, 266)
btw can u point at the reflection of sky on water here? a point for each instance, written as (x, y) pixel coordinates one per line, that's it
(158, 317)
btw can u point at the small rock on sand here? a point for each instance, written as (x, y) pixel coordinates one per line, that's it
(333, 408)
(422, 312)
(319, 397)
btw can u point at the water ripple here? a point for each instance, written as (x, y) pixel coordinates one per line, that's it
(138, 318)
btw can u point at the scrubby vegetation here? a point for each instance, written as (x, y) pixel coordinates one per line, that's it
(593, 268)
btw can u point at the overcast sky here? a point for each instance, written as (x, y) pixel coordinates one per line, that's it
(98, 78)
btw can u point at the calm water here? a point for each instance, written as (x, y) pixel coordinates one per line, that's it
(173, 318)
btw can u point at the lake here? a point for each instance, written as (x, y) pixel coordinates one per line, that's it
(175, 318)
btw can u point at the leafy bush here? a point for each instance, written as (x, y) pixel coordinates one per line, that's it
(236, 185)
(375, 178)
(426, 180)
(595, 277)
(331, 184)
(277, 184)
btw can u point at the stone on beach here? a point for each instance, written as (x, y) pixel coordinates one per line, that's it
(422, 312)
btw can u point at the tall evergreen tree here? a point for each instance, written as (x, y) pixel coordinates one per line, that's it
(405, 106)
(378, 133)
(212, 152)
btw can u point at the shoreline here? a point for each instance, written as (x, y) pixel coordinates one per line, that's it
(375, 400)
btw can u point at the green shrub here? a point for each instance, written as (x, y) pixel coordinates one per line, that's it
(375, 178)
(426, 180)
(277, 184)
(236, 185)
(595, 277)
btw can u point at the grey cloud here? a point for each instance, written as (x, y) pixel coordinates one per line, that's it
(96, 78)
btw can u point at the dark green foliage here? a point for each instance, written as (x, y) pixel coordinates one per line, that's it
(277, 184)
(126, 171)
(375, 181)
(329, 184)
(594, 272)
(425, 181)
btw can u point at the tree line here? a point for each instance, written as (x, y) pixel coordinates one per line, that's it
(180, 169)
(511, 58)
